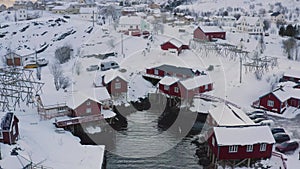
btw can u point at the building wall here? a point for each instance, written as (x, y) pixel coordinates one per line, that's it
(21, 14)
(200, 35)
(83, 109)
(294, 102)
(241, 151)
(171, 90)
(168, 45)
(263, 101)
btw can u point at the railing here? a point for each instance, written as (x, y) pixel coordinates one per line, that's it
(205, 96)
(281, 157)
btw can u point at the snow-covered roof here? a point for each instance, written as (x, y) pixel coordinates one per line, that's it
(286, 91)
(250, 20)
(197, 81)
(167, 80)
(6, 120)
(108, 113)
(130, 20)
(85, 10)
(249, 135)
(101, 94)
(177, 70)
(76, 99)
(176, 42)
(207, 29)
(111, 75)
(292, 73)
(226, 115)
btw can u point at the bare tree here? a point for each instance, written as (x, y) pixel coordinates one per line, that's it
(57, 73)
(78, 67)
(111, 42)
(63, 54)
(289, 45)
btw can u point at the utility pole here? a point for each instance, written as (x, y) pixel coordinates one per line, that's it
(122, 51)
(241, 68)
(93, 19)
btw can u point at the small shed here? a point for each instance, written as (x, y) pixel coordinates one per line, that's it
(208, 33)
(9, 131)
(174, 44)
(115, 82)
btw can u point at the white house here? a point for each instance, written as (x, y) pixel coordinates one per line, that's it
(277, 17)
(224, 20)
(251, 25)
(132, 23)
(88, 13)
(21, 14)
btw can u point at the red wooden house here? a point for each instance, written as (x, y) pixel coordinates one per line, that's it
(293, 76)
(115, 83)
(174, 44)
(240, 143)
(9, 131)
(187, 88)
(208, 33)
(280, 99)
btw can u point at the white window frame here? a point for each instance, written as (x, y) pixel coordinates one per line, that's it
(1, 134)
(88, 103)
(206, 87)
(270, 103)
(176, 89)
(233, 149)
(263, 147)
(213, 141)
(155, 71)
(249, 148)
(118, 85)
(166, 87)
(88, 110)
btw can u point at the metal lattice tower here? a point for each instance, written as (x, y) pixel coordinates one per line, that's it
(17, 85)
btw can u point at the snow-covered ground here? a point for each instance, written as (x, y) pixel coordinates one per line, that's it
(39, 139)
(44, 145)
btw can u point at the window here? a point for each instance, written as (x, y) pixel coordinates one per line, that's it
(88, 110)
(1, 135)
(249, 148)
(213, 141)
(270, 103)
(206, 87)
(88, 103)
(233, 149)
(263, 147)
(166, 87)
(176, 89)
(155, 71)
(118, 85)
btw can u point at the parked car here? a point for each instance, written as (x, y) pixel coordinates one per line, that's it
(277, 130)
(92, 68)
(258, 120)
(281, 137)
(109, 65)
(287, 146)
(258, 115)
(267, 123)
